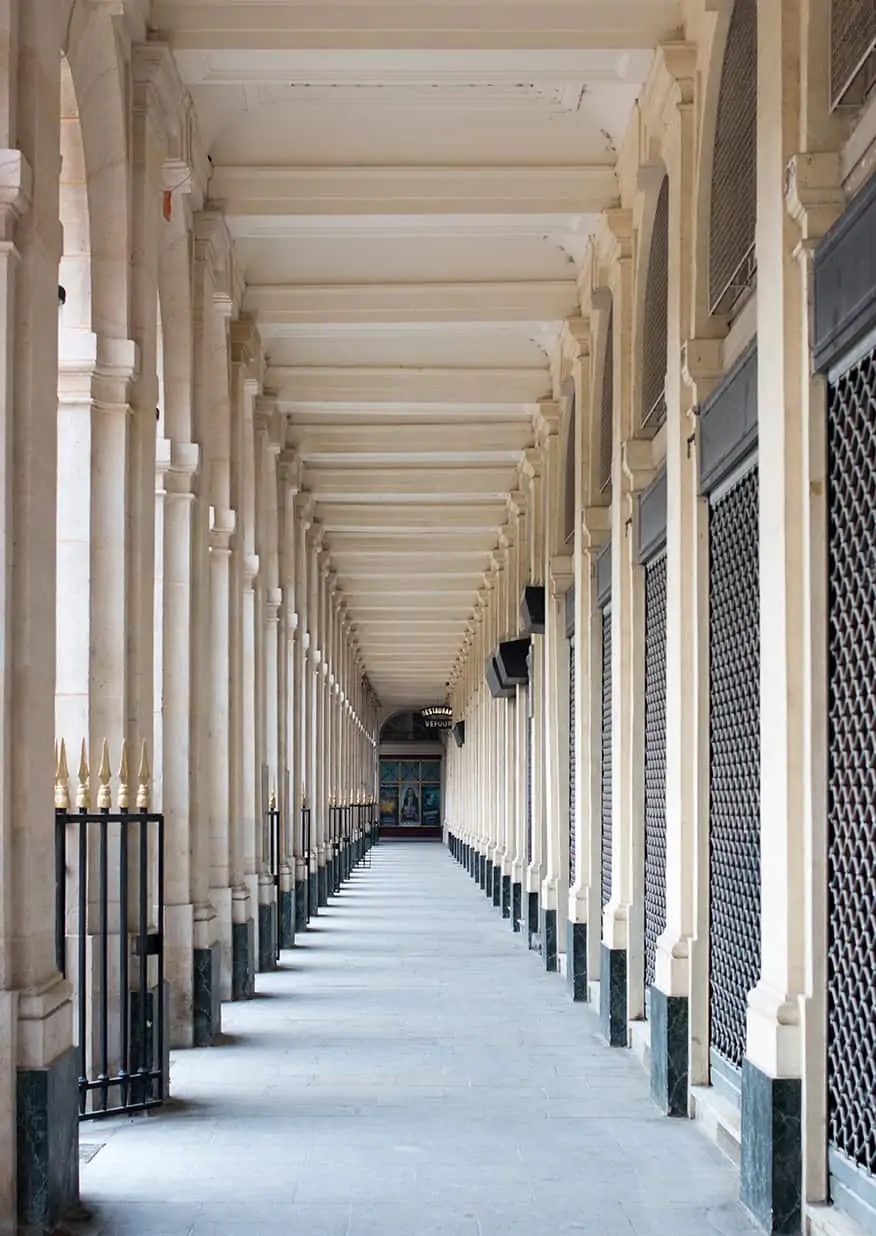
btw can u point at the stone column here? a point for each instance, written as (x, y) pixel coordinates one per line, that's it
(535, 805)
(616, 930)
(790, 418)
(686, 542)
(38, 1067)
(302, 700)
(517, 507)
(290, 478)
(558, 578)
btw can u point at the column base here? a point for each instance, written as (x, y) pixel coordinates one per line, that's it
(771, 1164)
(506, 896)
(516, 906)
(613, 995)
(532, 920)
(47, 1142)
(323, 885)
(497, 885)
(488, 878)
(267, 937)
(313, 894)
(669, 1052)
(576, 961)
(287, 918)
(242, 960)
(207, 996)
(548, 932)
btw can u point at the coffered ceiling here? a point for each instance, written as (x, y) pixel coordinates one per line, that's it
(411, 187)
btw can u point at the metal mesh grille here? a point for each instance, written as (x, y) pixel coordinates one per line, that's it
(607, 410)
(655, 761)
(656, 317)
(529, 779)
(851, 982)
(734, 171)
(572, 767)
(852, 44)
(734, 769)
(606, 757)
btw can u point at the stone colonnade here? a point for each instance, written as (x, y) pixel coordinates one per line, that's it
(606, 826)
(163, 578)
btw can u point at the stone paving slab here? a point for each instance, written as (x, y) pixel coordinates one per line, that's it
(409, 1071)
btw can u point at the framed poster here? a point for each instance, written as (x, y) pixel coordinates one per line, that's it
(432, 806)
(389, 806)
(410, 805)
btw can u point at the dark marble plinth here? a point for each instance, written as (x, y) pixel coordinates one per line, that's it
(267, 939)
(547, 929)
(506, 896)
(207, 996)
(669, 1052)
(497, 886)
(576, 961)
(242, 960)
(287, 918)
(488, 878)
(771, 1163)
(483, 873)
(47, 1142)
(516, 906)
(532, 922)
(613, 995)
(322, 880)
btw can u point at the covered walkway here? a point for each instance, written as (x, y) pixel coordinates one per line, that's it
(409, 1071)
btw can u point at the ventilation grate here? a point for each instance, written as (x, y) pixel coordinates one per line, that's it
(852, 48)
(654, 331)
(607, 411)
(734, 767)
(851, 857)
(732, 266)
(606, 757)
(655, 761)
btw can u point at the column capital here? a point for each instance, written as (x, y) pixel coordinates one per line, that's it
(221, 529)
(814, 196)
(16, 184)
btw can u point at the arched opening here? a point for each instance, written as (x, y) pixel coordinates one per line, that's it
(655, 322)
(411, 777)
(161, 461)
(733, 209)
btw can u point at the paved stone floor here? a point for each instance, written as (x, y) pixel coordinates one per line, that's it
(410, 1071)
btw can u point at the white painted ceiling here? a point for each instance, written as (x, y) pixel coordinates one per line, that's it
(411, 186)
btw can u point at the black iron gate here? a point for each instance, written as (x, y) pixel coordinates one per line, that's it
(851, 871)
(572, 767)
(734, 767)
(605, 757)
(272, 849)
(109, 937)
(655, 761)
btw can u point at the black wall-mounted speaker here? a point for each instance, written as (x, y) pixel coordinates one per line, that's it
(532, 609)
(459, 733)
(512, 661)
(499, 689)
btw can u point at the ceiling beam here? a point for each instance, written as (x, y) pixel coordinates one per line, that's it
(288, 305)
(338, 26)
(439, 545)
(396, 484)
(412, 519)
(325, 442)
(268, 194)
(328, 383)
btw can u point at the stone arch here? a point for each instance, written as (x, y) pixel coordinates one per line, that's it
(98, 74)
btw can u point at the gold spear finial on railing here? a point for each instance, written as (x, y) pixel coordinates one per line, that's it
(62, 778)
(104, 773)
(272, 799)
(83, 790)
(143, 776)
(123, 795)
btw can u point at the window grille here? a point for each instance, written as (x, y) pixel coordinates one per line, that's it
(655, 761)
(606, 757)
(851, 857)
(852, 50)
(734, 766)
